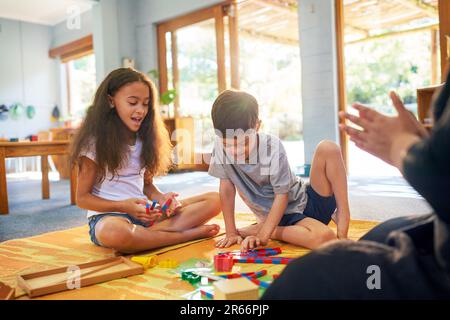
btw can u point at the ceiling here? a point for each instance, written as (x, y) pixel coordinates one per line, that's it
(277, 20)
(46, 12)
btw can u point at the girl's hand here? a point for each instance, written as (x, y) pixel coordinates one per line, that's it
(135, 207)
(382, 136)
(252, 242)
(229, 240)
(174, 205)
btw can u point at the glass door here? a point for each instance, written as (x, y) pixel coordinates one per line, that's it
(192, 66)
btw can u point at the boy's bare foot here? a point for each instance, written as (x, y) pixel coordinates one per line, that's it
(204, 231)
(250, 230)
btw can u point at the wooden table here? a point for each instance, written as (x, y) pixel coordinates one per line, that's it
(30, 149)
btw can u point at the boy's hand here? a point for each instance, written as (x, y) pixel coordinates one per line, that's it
(229, 240)
(252, 242)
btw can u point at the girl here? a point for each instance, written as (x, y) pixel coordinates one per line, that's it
(121, 145)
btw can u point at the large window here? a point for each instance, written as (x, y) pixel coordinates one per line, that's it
(81, 85)
(248, 45)
(388, 45)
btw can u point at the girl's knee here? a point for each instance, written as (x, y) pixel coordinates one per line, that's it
(114, 234)
(213, 202)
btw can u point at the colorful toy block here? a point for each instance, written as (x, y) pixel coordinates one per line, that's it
(168, 263)
(166, 205)
(252, 275)
(260, 283)
(267, 260)
(235, 289)
(255, 252)
(206, 294)
(223, 263)
(190, 277)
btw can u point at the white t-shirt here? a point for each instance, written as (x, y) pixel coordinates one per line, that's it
(127, 183)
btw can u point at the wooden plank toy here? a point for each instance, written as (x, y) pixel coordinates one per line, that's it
(6, 292)
(235, 289)
(56, 280)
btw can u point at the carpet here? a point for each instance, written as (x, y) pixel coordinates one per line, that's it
(73, 246)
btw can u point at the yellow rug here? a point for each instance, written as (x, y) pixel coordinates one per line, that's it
(73, 246)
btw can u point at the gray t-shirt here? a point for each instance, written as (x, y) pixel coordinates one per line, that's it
(257, 182)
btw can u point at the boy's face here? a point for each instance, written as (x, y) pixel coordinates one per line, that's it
(242, 145)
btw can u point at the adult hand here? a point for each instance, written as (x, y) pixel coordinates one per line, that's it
(387, 138)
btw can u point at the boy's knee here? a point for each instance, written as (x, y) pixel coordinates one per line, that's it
(325, 236)
(328, 147)
(114, 235)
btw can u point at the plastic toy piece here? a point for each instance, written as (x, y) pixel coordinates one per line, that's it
(146, 262)
(190, 277)
(267, 260)
(166, 205)
(168, 263)
(207, 294)
(275, 276)
(223, 263)
(260, 283)
(252, 275)
(255, 252)
(154, 203)
(235, 289)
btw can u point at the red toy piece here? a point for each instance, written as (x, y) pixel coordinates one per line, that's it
(223, 263)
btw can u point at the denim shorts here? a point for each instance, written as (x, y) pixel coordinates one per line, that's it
(95, 219)
(317, 207)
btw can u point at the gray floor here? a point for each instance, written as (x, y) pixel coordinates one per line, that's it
(371, 198)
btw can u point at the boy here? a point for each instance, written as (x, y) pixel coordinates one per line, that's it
(256, 165)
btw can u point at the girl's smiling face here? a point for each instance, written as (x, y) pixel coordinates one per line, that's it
(132, 102)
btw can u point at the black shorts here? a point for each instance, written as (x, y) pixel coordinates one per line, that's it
(317, 207)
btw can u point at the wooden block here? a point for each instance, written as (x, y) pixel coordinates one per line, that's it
(6, 292)
(56, 280)
(235, 289)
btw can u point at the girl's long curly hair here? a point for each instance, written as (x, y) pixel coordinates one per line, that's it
(103, 126)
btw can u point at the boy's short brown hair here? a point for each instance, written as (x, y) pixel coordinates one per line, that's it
(234, 110)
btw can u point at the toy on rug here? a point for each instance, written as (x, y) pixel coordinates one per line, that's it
(168, 263)
(77, 276)
(236, 289)
(224, 261)
(6, 292)
(146, 262)
(190, 277)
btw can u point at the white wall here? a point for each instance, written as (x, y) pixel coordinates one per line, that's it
(27, 75)
(319, 73)
(62, 35)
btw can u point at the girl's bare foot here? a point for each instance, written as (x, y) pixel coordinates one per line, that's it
(204, 231)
